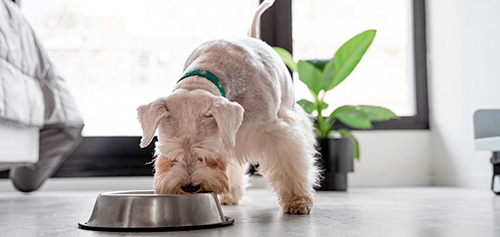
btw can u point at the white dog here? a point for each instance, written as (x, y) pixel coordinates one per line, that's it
(234, 105)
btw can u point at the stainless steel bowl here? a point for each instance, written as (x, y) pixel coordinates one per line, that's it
(146, 211)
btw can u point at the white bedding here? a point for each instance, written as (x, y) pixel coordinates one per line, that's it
(37, 112)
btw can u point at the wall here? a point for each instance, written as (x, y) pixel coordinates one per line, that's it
(392, 158)
(463, 65)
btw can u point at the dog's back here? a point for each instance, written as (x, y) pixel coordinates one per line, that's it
(251, 72)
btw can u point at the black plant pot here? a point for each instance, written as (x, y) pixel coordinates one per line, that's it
(337, 158)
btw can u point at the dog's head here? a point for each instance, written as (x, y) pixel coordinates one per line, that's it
(195, 132)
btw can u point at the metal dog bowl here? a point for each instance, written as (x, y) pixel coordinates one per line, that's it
(146, 211)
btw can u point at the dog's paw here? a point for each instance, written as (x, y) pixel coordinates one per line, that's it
(298, 206)
(228, 199)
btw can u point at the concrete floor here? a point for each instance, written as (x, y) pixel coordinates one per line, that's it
(358, 212)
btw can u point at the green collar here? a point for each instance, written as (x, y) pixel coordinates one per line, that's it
(208, 75)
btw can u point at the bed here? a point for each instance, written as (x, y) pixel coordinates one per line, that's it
(40, 124)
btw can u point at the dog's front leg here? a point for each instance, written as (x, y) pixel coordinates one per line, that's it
(292, 185)
(288, 165)
(237, 182)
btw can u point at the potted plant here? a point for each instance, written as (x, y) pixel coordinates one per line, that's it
(338, 148)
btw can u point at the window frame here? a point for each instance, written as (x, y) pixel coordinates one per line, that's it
(121, 156)
(276, 30)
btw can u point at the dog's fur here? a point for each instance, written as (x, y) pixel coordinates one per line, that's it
(205, 139)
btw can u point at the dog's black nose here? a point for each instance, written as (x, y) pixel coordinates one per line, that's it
(189, 188)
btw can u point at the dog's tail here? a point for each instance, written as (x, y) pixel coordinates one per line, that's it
(254, 31)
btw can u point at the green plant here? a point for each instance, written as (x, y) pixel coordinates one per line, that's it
(321, 76)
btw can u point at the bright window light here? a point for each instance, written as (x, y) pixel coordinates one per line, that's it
(384, 76)
(119, 54)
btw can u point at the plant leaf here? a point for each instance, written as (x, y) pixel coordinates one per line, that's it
(352, 116)
(307, 105)
(327, 125)
(327, 74)
(326, 66)
(347, 134)
(377, 113)
(310, 75)
(287, 58)
(349, 55)
(318, 63)
(327, 128)
(324, 105)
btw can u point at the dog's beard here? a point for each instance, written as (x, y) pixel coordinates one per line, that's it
(171, 175)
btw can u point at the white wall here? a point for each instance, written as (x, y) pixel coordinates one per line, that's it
(463, 60)
(392, 158)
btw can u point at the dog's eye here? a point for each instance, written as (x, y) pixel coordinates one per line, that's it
(207, 119)
(200, 159)
(216, 164)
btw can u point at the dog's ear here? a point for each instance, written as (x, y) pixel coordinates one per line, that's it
(228, 116)
(150, 116)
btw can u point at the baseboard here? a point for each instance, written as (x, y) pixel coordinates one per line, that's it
(356, 180)
(106, 184)
(475, 181)
(91, 183)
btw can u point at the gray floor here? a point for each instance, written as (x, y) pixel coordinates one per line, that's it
(358, 212)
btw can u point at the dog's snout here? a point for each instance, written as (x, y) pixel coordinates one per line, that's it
(189, 188)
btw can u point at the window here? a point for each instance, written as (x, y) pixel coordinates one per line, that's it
(119, 54)
(393, 71)
(385, 75)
